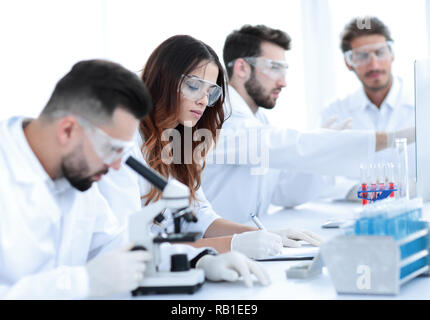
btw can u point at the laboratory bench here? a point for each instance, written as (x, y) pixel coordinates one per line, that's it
(309, 216)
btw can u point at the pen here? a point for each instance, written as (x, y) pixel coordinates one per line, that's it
(257, 222)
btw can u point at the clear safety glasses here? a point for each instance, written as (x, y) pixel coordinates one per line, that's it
(361, 56)
(195, 88)
(106, 147)
(272, 68)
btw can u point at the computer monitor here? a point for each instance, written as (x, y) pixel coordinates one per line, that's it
(422, 127)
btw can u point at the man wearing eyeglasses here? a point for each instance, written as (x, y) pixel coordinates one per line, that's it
(292, 163)
(59, 238)
(384, 102)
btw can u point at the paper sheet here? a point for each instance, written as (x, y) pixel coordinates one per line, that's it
(305, 252)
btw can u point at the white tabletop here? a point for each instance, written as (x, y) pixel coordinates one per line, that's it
(309, 216)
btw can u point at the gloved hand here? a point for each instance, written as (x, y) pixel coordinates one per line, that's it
(408, 133)
(330, 124)
(290, 237)
(257, 244)
(116, 272)
(230, 266)
(352, 193)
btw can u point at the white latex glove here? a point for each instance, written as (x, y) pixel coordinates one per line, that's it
(408, 133)
(352, 194)
(257, 244)
(330, 124)
(232, 265)
(290, 237)
(116, 272)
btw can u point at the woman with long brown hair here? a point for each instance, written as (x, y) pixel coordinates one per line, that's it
(187, 83)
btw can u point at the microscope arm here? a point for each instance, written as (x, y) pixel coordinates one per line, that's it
(140, 222)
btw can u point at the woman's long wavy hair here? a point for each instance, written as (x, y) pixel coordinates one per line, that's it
(162, 75)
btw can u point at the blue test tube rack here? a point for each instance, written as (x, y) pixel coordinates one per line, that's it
(381, 256)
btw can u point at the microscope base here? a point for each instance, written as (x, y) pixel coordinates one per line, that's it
(171, 283)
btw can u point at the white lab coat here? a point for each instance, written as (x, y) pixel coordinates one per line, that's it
(236, 183)
(396, 112)
(48, 229)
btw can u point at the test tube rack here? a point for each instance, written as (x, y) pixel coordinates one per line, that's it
(369, 194)
(370, 264)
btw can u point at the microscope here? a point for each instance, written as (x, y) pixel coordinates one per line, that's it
(175, 197)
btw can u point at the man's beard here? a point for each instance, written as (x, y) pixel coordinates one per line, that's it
(380, 87)
(256, 92)
(75, 169)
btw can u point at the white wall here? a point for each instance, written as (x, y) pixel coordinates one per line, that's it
(41, 40)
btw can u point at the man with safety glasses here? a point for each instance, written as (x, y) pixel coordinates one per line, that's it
(295, 162)
(383, 102)
(59, 238)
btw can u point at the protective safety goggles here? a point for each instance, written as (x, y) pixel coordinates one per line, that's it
(272, 68)
(361, 56)
(106, 147)
(195, 88)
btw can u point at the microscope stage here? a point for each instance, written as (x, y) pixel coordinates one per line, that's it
(171, 282)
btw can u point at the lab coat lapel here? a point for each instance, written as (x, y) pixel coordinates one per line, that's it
(359, 104)
(397, 100)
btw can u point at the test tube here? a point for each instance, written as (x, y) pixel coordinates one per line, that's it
(403, 169)
(390, 177)
(372, 174)
(380, 177)
(363, 181)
